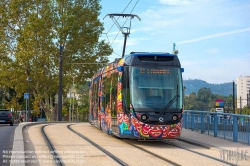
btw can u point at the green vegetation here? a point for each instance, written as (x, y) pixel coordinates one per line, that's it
(204, 100)
(31, 32)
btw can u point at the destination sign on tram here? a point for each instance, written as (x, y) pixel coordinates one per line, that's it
(154, 71)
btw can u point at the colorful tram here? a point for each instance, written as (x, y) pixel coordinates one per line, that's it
(139, 96)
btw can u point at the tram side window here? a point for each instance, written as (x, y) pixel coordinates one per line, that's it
(126, 91)
(109, 93)
(114, 94)
(106, 93)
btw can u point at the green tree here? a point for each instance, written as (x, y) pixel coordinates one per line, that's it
(32, 32)
(83, 102)
(245, 110)
(190, 102)
(204, 94)
(204, 100)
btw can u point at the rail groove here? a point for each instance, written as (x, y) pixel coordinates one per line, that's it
(99, 147)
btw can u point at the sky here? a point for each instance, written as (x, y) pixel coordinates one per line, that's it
(212, 36)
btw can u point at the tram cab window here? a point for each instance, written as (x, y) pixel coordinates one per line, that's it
(138, 93)
(155, 87)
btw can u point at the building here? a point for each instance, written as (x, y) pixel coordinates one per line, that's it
(243, 91)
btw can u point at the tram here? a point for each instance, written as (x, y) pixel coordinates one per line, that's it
(139, 96)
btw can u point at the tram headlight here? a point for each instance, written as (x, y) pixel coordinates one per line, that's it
(174, 117)
(144, 117)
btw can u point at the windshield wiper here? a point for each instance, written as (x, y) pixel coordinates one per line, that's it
(169, 104)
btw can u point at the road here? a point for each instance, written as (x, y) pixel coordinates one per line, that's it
(6, 141)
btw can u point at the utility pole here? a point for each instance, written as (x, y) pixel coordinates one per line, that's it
(233, 99)
(70, 108)
(247, 100)
(60, 86)
(28, 104)
(240, 105)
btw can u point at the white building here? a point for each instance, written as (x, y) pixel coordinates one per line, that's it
(243, 90)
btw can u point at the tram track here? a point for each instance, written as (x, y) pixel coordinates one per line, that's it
(52, 149)
(118, 160)
(196, 152)
(162, 143)
(102, 148)
(171, 144)
(55, 149)
(166, 161)
(153, 154)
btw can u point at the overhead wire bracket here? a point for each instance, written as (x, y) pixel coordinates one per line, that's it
(127, 32)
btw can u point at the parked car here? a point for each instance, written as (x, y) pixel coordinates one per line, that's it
(6, 117)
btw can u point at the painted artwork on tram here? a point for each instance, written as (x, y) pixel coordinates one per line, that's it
(125, 108)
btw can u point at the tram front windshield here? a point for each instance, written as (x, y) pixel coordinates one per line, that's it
(156, 88)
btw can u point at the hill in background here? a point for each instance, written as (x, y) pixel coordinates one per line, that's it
(194, 85)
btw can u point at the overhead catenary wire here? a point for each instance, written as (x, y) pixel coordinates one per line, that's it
(114, 24)
(118, 17)
(122, 24)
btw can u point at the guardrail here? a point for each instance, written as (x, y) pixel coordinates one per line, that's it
(229, 126)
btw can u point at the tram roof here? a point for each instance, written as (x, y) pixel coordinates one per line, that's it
(141, 58)
(150, 58)
(150, 54)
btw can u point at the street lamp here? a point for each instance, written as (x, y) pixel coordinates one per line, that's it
(71, 106)
(77, 100)
(28, 108)
(60, 85)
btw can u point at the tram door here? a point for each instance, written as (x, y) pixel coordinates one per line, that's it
(95, 102)
(114, 88)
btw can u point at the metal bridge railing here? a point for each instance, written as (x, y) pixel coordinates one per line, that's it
(228, 126)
